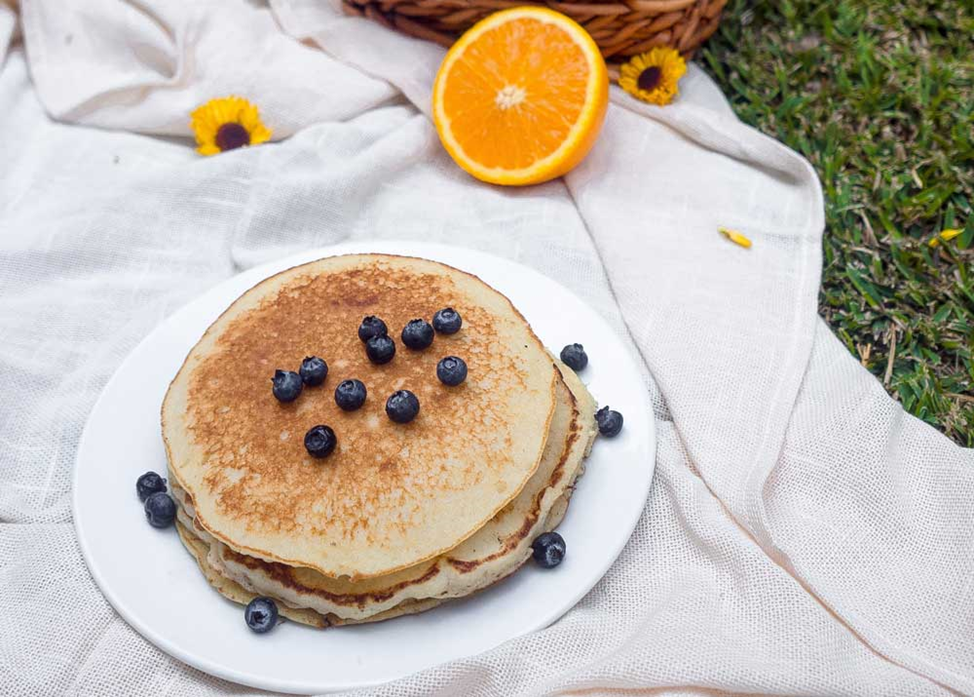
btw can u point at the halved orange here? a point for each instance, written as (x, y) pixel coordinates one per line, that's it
(521, 97)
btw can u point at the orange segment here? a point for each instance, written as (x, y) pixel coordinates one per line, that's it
(521, 97)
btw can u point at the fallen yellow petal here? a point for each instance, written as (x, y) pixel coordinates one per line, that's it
(735, 237)
(946, 236)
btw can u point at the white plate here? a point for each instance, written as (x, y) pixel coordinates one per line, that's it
(156, 586)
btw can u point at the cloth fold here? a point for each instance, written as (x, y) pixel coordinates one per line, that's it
(803, 535)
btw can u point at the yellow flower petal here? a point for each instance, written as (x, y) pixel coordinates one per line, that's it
(260, 135)
(946, 236)
(250, 119)
(735, 237)
(207, 119)
(628, 84)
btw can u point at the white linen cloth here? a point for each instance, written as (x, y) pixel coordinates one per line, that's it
(804, 536)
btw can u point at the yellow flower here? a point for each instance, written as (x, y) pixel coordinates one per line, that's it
(735, 237)
(227, 123)
(652, 76)
(946, 236)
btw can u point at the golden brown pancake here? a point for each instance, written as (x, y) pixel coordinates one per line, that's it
(391, 496)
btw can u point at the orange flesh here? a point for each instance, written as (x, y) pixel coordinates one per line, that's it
(522, 54)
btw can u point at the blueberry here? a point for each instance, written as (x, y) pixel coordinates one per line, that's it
(261, 615)
(350, 394)
(418, 334)
(610, 422)
(287, 385)
(372, 326)
(149, 483)
(447, 321)
(313, 371)
(380, 349)
(574, 357)
(320, 441)
(402, 406)
(451, 371)
(548, 549)
(160, 509)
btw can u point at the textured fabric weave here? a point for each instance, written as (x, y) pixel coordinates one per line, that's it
(803, 536)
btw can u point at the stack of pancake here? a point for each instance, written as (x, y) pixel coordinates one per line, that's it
(400, 517)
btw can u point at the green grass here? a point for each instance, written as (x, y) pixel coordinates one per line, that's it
(877, 94)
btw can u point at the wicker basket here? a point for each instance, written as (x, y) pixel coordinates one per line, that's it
(621, 29)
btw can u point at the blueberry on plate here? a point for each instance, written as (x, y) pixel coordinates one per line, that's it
(609, 421)
(372, 326)
(402, 406)
(380, 349)
(261, 615)
(313, 371)
(574, 357)
(160, 509)
(447, 321)
(548, 549)
(350, 394)
(417, 334)
(148, 484)
(320, 441)
(451, 371)
(287, 385)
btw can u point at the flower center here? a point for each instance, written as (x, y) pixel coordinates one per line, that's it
(649, 78)
(231, 136)
(509, 96)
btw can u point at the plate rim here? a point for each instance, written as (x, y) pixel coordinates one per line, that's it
(415, 248)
